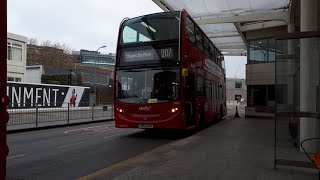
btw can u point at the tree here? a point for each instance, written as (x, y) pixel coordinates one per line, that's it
(66, 49)
(46, 43)
(33, 41)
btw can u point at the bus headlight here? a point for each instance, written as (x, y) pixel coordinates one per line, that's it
(174, 110)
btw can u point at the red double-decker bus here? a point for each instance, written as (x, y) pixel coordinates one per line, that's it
(168, 74)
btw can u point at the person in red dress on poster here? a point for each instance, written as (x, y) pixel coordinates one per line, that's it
(73, 98)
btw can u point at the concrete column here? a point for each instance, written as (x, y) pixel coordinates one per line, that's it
(308, 70)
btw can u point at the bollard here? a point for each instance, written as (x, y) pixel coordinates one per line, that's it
(237, 114)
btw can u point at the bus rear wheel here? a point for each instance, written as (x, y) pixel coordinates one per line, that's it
(201, 119)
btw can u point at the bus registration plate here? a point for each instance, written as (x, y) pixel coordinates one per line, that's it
(145, 126)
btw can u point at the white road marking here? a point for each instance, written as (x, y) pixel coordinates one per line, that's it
(68, 145)
(102, 128)
(112, 135)
(16, 156)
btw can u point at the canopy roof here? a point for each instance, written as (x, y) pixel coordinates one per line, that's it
(225, 21)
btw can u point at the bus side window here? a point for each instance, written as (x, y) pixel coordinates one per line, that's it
(208, 89)
(199, 38)
(200, 86)
(190, 30)
(212, 53)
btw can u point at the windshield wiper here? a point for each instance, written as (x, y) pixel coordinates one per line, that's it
(148, 27)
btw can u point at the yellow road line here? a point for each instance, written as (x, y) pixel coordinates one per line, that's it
(16, 156)
(68, 145)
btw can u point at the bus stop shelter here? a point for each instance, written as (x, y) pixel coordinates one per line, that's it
(279, 35)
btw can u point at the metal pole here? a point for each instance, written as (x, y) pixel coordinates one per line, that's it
(4, 116)
(37, 111)
(92, 114)
(70, 77)
(68, 113)
(95, 75)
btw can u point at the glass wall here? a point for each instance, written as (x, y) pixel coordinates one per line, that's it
(261, 97)
(297, 101)
(261, 51)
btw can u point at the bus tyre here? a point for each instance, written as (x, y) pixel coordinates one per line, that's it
(201, 118)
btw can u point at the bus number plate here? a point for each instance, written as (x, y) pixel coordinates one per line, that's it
(145, 126)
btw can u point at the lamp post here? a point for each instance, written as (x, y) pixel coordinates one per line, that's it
(95, 75)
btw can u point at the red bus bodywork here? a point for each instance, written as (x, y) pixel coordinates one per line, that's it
(161, 115)
(4, 116)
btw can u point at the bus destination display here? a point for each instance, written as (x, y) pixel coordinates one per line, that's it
(130, 56)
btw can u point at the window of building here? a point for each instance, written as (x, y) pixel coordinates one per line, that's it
(14, 52)
(9, 54)
(17, 79)
(11, 79)
(238, 84)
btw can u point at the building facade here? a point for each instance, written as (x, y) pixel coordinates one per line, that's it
(260, 77)
(93, 58)
(236, 90)
(16, 57)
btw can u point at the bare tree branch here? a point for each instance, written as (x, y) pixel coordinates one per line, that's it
(33, 41)
(46, 43)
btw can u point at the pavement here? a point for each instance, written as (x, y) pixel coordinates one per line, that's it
(240, 148)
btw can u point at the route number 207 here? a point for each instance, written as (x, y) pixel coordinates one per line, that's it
(166, 53)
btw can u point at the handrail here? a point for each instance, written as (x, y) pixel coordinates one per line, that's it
(301, 144)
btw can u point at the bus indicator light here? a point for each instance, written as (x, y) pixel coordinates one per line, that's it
(5, 101)
(184, 72)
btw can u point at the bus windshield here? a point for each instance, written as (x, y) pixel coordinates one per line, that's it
(148, 85)
(154, 27)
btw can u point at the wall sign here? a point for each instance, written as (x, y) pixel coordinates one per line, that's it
(23, 95)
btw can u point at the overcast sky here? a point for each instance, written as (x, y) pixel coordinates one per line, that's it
(85, 24)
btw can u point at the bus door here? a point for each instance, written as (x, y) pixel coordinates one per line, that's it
(214, 99)
(190, 100)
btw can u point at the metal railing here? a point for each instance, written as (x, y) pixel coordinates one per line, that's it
(38, 115)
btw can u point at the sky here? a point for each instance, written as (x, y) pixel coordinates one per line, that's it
(85, 24)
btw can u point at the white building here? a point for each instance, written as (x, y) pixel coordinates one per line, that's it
(16, 57)
(33, 74)
(236, 87)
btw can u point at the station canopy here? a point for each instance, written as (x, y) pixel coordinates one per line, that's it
(226, 21)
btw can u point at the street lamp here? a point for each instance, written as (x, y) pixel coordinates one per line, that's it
(95, 75)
